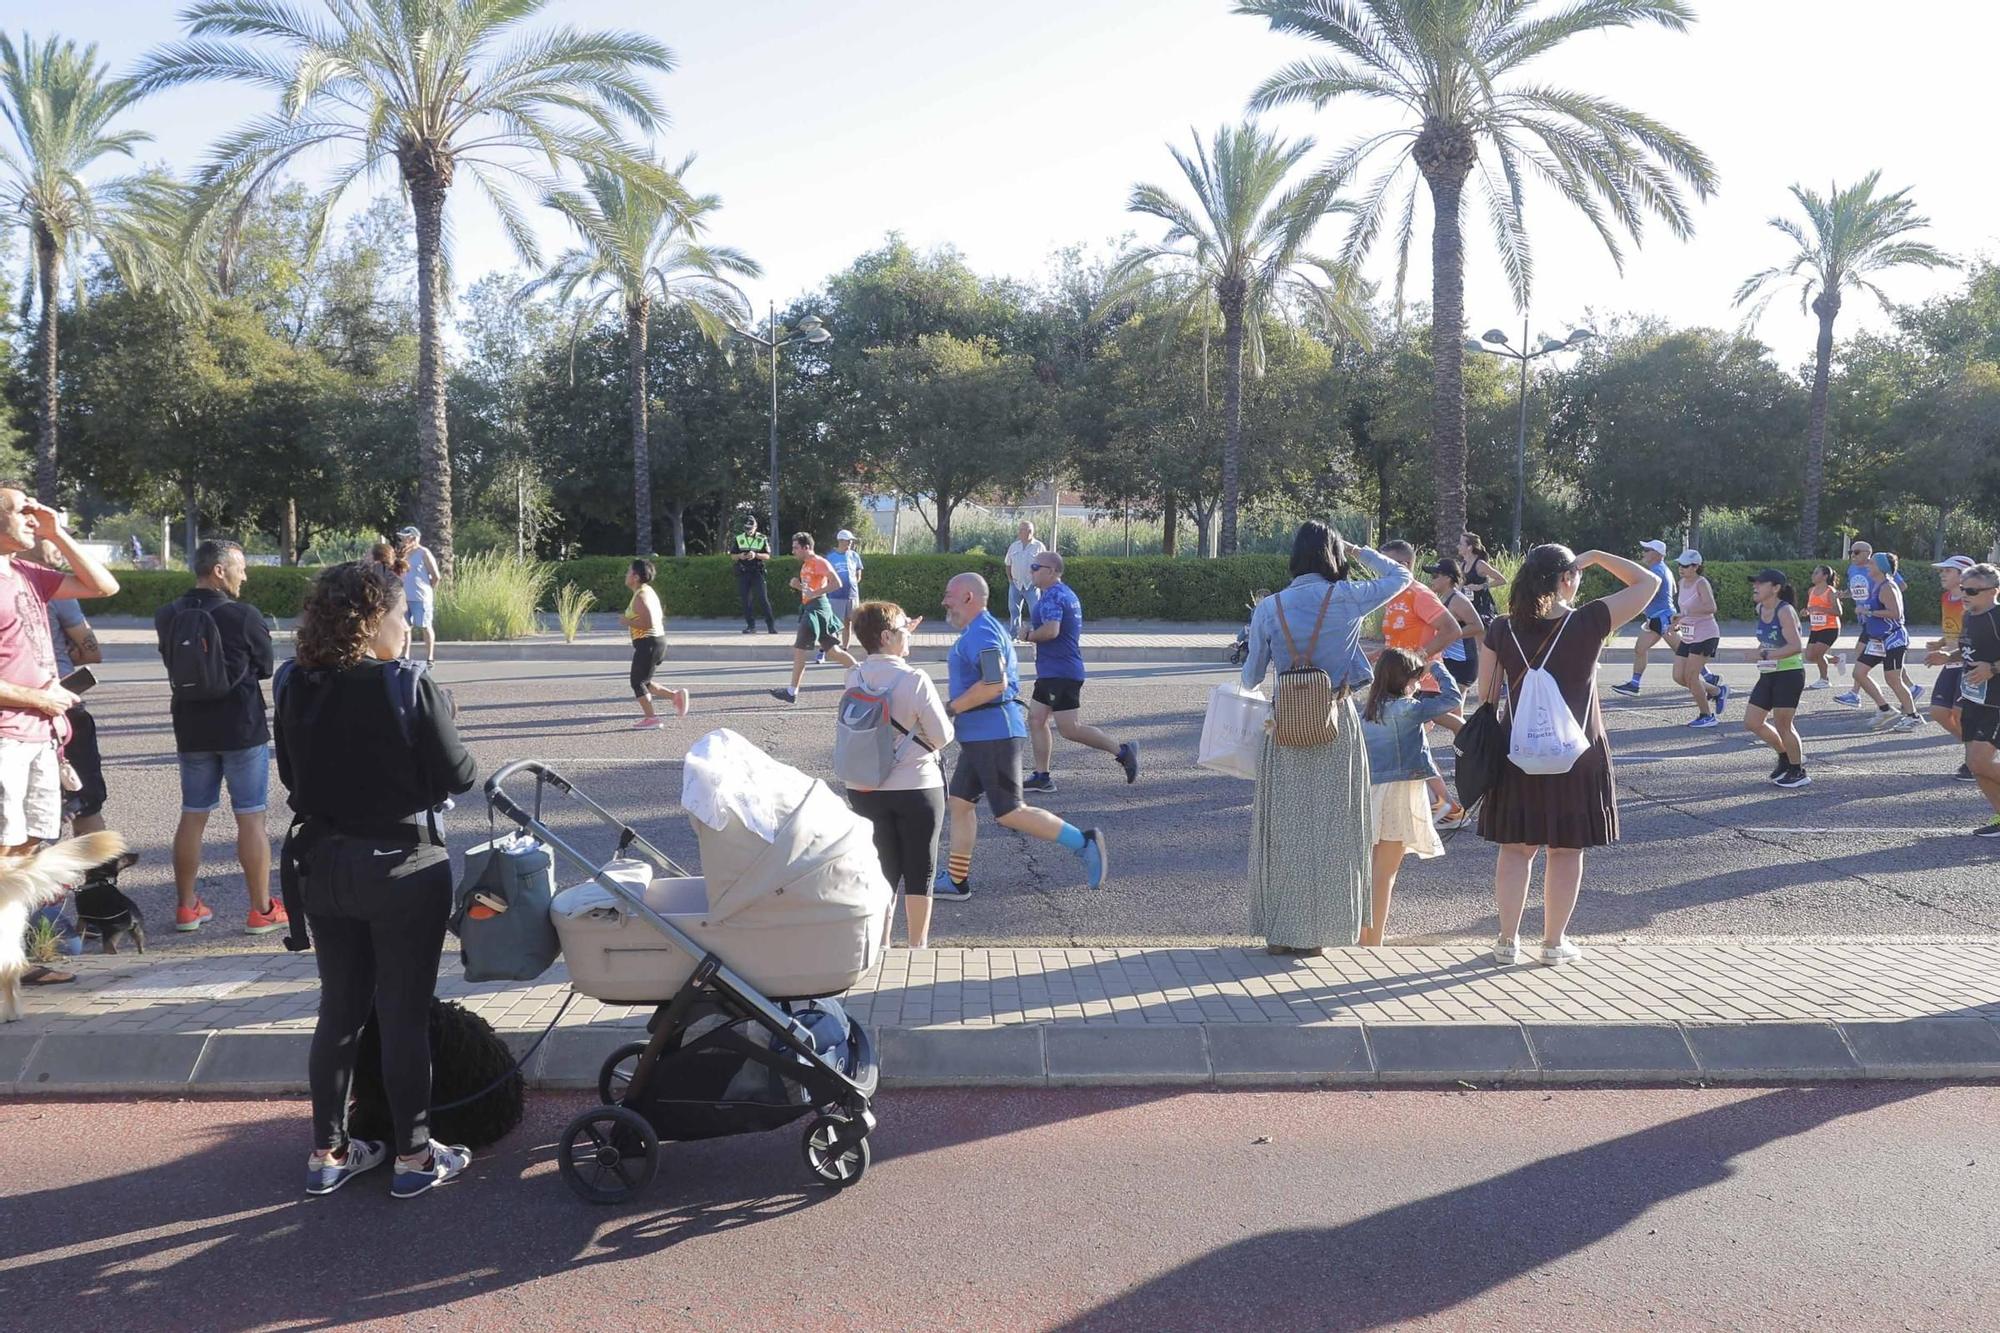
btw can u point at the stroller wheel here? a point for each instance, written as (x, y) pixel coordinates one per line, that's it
(609, 1154)
(833, 1154)
(616, 1077)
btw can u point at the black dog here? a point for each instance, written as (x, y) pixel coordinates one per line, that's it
(103, 910)
(466, 1055)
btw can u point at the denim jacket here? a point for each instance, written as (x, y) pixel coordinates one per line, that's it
(1338, 652)
(1396, 749)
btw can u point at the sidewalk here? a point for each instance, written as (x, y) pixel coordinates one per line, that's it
(1625, 1013)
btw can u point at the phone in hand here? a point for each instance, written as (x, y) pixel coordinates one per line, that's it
(79, 681)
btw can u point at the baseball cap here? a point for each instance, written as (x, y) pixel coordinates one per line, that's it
(1445, 566)
(1775, 577)
(1960, 563)
(408, 532)
(843, 536)
(1658, 548)
(1689, 557)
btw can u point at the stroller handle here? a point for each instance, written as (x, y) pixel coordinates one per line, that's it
(546, 776)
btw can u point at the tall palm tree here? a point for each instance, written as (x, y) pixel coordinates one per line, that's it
(1236, 252)
(60, 104)
(1854, 233)
(431, 86)
(1454, 68)
(639, 247)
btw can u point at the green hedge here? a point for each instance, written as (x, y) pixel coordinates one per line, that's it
(1731, 581)
(276, 590)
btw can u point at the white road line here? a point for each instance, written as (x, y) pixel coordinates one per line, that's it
(1958, 832)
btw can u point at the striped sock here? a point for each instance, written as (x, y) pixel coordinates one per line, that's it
(959, 865)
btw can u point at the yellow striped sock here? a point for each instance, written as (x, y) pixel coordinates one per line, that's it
(960, 866)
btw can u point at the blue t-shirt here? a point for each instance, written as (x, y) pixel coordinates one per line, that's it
(847, 568)
(1061, 658)
(1663, 600)
(976, 641)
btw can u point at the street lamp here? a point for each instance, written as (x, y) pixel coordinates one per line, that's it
(810, 330)
(1494, 342)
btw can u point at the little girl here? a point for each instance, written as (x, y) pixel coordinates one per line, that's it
(1400, 770)
(649, 646)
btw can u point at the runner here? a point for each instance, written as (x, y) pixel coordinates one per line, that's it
(1781, 676)
(648, 625)
(1416, 621)
(1944, 652)
(1860, 556)
(1978, 696)
(1659, 617)
(1478, 574)
(818, 626)
(1461, 657)
(1885, 640)
(1057, 629)
(1697, 635)
(1823, 616)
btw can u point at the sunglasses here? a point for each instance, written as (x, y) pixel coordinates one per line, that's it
(1043, 568)
(1975, 592)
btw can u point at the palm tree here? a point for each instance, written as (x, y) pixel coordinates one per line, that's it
(60, 105)
(428, 86)
(1453, 66)
(638, 247)
(1855, 233)
(1236, 252)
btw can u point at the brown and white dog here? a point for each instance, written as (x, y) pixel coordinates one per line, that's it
(26, 883)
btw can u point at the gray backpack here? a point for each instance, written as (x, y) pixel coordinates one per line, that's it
(864, 737)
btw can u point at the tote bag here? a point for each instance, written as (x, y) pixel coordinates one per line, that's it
(1233, 731)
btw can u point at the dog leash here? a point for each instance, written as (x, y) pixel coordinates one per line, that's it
(518, 1065)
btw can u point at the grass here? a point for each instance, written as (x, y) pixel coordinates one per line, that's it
(44, 942)
(491, 597)
(572, 605)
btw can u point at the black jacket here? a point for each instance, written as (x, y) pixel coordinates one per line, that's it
(236, 721)
(346, 752)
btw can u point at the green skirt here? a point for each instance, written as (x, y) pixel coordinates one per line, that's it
(1311, 836)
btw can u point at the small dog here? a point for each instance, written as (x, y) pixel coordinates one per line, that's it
(28, 882)
(102, 908)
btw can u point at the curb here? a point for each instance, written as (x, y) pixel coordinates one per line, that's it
(1205, 1055)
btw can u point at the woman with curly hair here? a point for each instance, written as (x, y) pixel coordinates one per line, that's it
(367, 749)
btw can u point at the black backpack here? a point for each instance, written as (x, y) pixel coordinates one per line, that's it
(197, 669)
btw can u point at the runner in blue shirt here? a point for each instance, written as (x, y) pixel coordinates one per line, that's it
(1659, 613)
(984, 700)
(1057, 632)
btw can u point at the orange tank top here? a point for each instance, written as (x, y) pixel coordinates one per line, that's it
(1823, 607)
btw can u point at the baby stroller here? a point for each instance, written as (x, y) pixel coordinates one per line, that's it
(740, 966)
(1239, 650)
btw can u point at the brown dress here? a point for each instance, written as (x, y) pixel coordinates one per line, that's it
(1574, 809)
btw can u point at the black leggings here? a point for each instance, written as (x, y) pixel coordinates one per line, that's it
(647, 654)
(907, 825)
(377, 913)
(749, 587)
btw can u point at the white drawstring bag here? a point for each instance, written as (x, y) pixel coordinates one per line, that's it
(1546, 737)
(1232, 733)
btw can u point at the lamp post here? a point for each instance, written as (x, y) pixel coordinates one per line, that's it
(1501, 347)
(810, 330)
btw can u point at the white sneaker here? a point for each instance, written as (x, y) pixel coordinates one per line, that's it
(1507, 951)
(1562, 951)
(1820, 685)
(1885, 718)
(1908, 722)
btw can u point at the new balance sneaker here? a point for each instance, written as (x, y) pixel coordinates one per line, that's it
(1096, 861)
(1795, 776)
(1630, 687)
(1706, 720)
(944, 886)
(264, 923)
(192, 918)
(1041, 782)
(362, 1155)
(1852, 698)
(1128, 759)
(446, 1161)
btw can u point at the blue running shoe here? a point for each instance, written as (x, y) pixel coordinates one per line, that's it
(362, 1155)
(1721, 698)
(955, 890)
(1852, 698)
(1096, 864)
(445, 1164)
(1704, 721)
(1916, 691)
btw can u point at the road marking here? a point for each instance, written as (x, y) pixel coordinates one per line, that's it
(1852, 832)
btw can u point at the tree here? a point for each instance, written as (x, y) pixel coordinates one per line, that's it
(1855, 234)
(422, 84)
(1448, 65)
(1237, 252)
(60, 105)
(638, 247)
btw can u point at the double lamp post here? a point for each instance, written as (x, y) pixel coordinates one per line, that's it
(810, 330)
(1499, 346)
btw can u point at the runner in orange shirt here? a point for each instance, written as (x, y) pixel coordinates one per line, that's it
(1417, 621)
(1823, 624)
(819, 627)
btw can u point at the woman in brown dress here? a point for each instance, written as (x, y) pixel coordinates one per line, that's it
(1560, 813)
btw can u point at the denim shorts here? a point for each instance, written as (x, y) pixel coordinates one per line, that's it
(248, 773)
(418, 612)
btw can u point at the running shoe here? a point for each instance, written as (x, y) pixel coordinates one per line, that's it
(1562, 951)
(1784, 767)
(1450, 815)
(1128, 759)
(1884, 719)
(1833, 659)
(1916, 691)
(1965, 773)
(362, 1155)
(1990, 829)
(785, 696)
(1507, 950)
(683, 700)
(263, 923)
(819, 659)
(1721, 698)
(1796, 776)
(1041, 782)
(1703, 722)
(192, 918)
(652, 723)
(1820, 685)
(445, 1164)
(1630, 687)
(1852, 698)
(944, 886)
(1908, 722)
(1096, 862)
(749, 629)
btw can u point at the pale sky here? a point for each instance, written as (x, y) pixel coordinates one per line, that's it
(1015, 128)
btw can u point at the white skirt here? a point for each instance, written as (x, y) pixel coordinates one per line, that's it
(1403, 814)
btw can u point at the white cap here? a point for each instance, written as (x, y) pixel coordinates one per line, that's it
(843, 536)
(1961, 563)
(1689, 557)
(1658, 548)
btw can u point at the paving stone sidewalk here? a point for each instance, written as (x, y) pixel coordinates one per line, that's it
(1637, 1013)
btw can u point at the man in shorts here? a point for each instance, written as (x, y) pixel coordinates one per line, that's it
(1978, 688)
(819, 627)
(983, 697)
(845, 594)
(1944, 651)
(1659, 615)
(1056, 628)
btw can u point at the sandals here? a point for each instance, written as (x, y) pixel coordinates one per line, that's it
(46, 976)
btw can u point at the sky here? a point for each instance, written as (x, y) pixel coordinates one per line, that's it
(1009, 130)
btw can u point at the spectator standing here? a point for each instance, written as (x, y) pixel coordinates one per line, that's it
(819, 627)
(420, 580)
(985, 704)
(75, 644)
(749, 552)
(373, 877)
(1057, 630)
(33, 704)
(218, 653)
(1658, 618)
(1021, 596)
(845, 595)
(1558, 814)
(1400, 769)
(1311, 832)
(388, 557)
(907, 810)
(648, 625)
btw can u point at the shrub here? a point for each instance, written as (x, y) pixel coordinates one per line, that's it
(572, 605)
(1731, 580)
(276, 590)
(491, 597)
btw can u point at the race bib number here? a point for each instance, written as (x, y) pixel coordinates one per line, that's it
(1971, 693)
(1767, 666)
(1820, 620)
(1872, 648)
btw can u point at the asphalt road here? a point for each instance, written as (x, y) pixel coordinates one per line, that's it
(1874, 847)
(1857, 1207)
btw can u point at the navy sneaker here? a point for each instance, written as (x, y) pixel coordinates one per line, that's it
(1128, 759)
(1795, 776)
(362, 1155)
(1041, 782)
(1630, 687)
(1096, 862)
(785, 696)
(1705, 720)
(1988, 830)
(1965, 774)
(944, 886)
(1721, 698)
(445, 1164)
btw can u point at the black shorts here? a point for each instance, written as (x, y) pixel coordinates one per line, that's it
(647, 654)
(1778, 689)
(991, 769)
(1658, 624)
(1829, 637)
(1890, 659)
(1060, 696)
(1979, 722)
(1699, 648)
(1944, 694)
(807, 637)
(1463, 670)
(83, 756)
